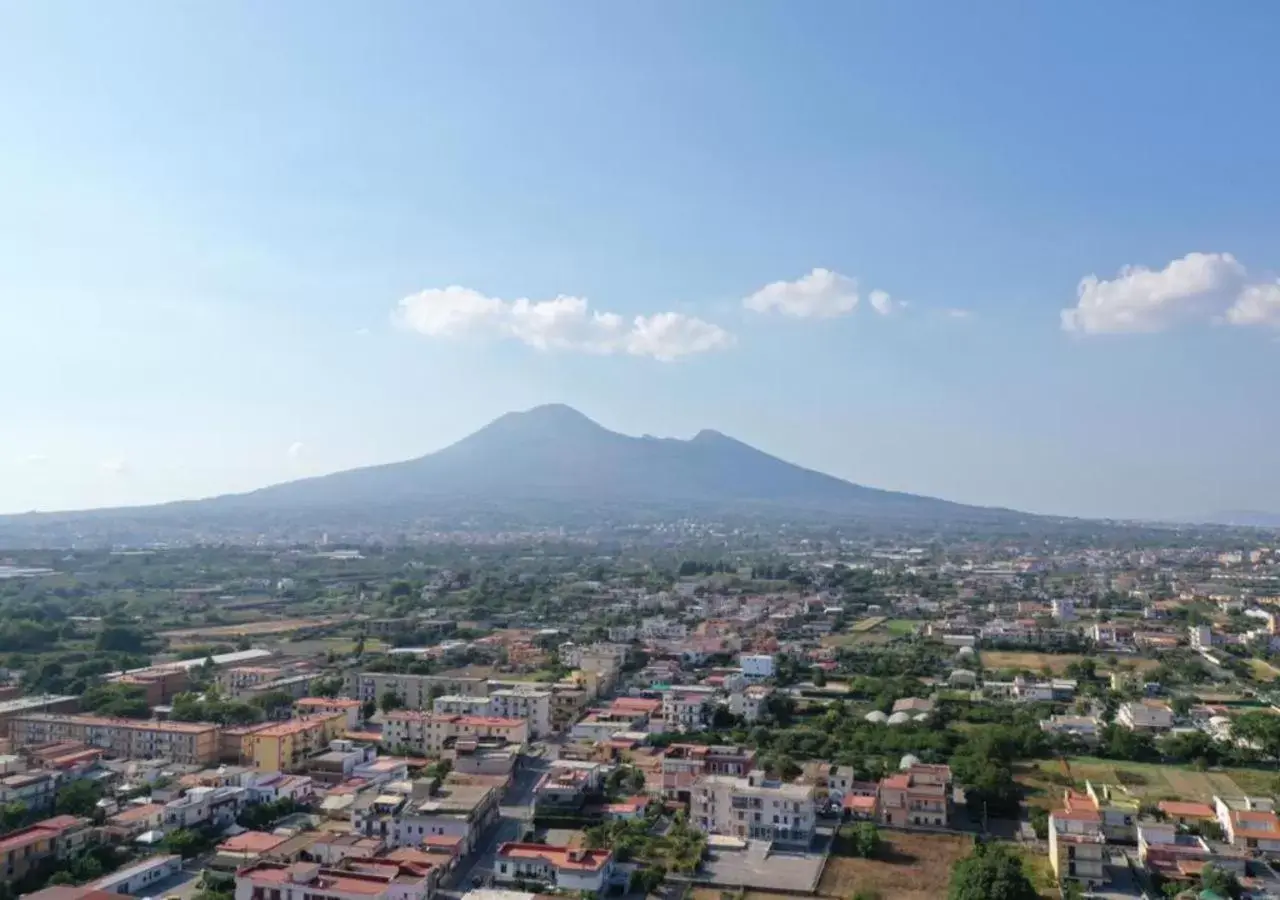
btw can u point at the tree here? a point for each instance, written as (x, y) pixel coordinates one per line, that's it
(866, 840)
(12, 815)
(79, 798)
(368, 708)
(391, 700)
(990, 872)
(330, 686)
(121, 701)
(273, 701)
(819, 678)
(1220, 881)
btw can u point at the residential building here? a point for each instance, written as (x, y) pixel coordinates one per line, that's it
(136, 820)
(429, 734)
(1249, 824)
(563, 868)
(1179, 857)
(286, 746)
(529, 704)
(193, 743)
(568, 702)
(460, 705)
(236, 680)
(755, 807)
(1077, 847)
(215, 807)
(1145, 715)
(159, 684)
(1183, 813)
(756, 666)
(49, 703)
(1063, 609)
(687, 708)
(459, 808)
(352, 879)
(1083, 728)
(1201, 637)
(36, 790)
(834, 783)
(312, 706)
(138, 879)
(751, 702)
(415, 691)
(56, 838)
(684, 764)
(918, 796)
(568, 784)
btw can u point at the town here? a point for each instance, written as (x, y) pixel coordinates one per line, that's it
(832, 718)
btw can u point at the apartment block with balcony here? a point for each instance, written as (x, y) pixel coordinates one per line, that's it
(416, 691)
(687, 708)
(684, 764)
(917, 797)
(755, 808)
(286, 746)
(1180, 858)
(430, 734)
(1249, 824)
(193, 743)
(1077, 847)
(57, 838)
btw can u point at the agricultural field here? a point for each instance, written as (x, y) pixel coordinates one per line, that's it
(1045, 780)
(1057, 663)
(1263, 670)
(243, 629)
(868, 624)
(910, 867)
(901, 627)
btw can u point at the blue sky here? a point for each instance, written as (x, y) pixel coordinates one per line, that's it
(227, 230)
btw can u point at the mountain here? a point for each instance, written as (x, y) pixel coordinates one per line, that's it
(555, 454)
(1244, 518)
(546, 466)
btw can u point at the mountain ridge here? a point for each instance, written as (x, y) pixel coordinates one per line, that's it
(553, 465)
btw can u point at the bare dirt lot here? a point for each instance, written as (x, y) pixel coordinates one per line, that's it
(269, 626)
(1056, 662)
(911, 867)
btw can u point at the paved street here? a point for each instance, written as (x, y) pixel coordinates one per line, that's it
(514, 814)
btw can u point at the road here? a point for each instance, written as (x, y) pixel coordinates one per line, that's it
(515, 813)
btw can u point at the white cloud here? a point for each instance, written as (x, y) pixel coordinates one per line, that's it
(35, 459)
(295, 449)
(822, 294)
(362, 332)
(115, 466)
(1257, 304)
(1196, 287)
(882, 303)
(958, 313)
(563, 323)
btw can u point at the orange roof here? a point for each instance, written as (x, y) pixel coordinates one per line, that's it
(328, 702)
(859, 803)
(1185, 810)
(296, 726)
(251, 842)
(559, 857)
(138, 812)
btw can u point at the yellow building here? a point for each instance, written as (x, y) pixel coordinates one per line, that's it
(284, 747)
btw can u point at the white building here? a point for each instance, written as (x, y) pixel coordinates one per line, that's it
(1063, 609)
(534, 706)
(750, 703)
(1145, 715)
(756, 665)
(564, 868)
(687, 708)
(755, 808)
(1201, 637)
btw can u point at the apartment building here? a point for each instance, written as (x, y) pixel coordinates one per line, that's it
(33, 790)
(286, 746)
(919, 796)
(430, 734)
(351, 879)
(460, 808)
(756, 666)
(751, 702)
(312, 706)
(755, 807)
(562, 868)
(461, 705)
(56, 838)
(684, 764)
(416, 691)
(529, 704)
(21, 706)
(194, 743)
(1077, 847)
(687, 708)
(159, 684)
(1083, 728)
(236, 680)
(568, 702)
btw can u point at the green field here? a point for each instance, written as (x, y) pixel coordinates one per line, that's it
(900, 627)
(1143, 781)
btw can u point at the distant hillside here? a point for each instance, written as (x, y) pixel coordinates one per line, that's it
(548, 465)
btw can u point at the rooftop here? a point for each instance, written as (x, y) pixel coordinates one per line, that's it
(559, 857)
